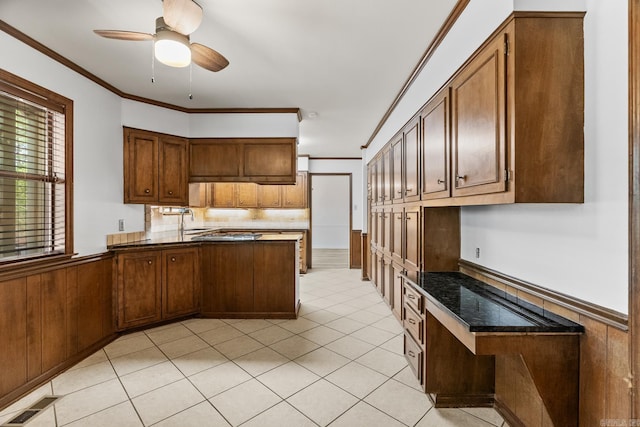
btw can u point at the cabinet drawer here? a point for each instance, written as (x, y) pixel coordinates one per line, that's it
(413, 299)
(413, 353)
(413, 323)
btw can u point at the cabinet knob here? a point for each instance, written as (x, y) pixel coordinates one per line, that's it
(173, 259)
(149, 262)
(171, 193)
(411, 353)
(461, 177)
(147, 191)
(413, 322)
(440, 181)
(411, 296)
(399, 191)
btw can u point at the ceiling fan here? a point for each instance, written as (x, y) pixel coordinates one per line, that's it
(171, 40)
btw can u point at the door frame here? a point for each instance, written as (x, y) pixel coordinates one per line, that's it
(634, 205)
(310, 192)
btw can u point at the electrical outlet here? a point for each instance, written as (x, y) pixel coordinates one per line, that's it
(121, 225)
(477, 252)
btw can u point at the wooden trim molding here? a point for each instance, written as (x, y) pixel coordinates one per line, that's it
(440, 35)
(593, 311)
(19, 35)
(334, 158)
(634, 205)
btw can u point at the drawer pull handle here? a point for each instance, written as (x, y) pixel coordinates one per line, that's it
(461, 177)
(411, 296)
(173, 259)
(411, 353)
(413, 322)
(440, 181)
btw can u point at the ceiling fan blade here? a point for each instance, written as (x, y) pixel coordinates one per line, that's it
(124, 35)
(207, 58)
(183, 16)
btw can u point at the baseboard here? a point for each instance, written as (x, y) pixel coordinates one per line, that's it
(462, 401)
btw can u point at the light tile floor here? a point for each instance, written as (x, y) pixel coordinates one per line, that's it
(339, 364)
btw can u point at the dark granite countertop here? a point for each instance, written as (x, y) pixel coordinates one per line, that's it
(484, 308)
(188, 237)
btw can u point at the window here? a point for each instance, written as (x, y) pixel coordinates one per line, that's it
(35, 171)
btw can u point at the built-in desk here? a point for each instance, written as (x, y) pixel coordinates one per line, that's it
(467, 323)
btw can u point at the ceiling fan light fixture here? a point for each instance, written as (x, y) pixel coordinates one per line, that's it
(172, 49)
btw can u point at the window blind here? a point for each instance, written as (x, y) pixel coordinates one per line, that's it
(32, 178)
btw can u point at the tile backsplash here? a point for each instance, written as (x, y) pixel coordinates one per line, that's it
(158, 219)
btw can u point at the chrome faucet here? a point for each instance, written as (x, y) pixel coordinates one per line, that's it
(182, 212)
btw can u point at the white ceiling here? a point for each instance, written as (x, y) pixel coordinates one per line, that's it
(346, 60)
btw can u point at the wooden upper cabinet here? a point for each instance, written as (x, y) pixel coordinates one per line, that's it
(411, 154)
(398, 168)
(260, 160)
(380, 179)
(210, 158)
(435, 147)
(269, 196)
(478, 124)
(155, 168)
(140, 166)
(246, 195)
(223, 195)
(387, 174)
(172, 175)
(295, 196)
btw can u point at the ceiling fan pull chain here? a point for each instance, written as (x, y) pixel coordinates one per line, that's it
(153, 65)
(190, 79)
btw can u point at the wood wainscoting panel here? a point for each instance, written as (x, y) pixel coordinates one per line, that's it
(13, 339)
(54, 318)
(355, 250)
(618, 396)
(593, 358)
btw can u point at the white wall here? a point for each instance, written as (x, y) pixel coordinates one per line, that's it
(580, 250)
(354, 167)
(98, 119)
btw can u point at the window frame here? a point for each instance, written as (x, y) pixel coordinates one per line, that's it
(20, 87)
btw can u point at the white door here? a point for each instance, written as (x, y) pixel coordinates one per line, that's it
(330, 204)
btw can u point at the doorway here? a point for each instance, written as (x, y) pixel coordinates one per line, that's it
(330, 220)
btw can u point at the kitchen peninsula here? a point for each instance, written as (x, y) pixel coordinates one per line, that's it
(235, 276)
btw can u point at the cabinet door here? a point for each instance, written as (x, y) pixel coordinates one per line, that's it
(270, 159)
(397, 224)
(95, 296)
(199, 195)
(246, 195)
(139, 289)
(211, 159)
(411, 151)
(412, 239)
(269, 196)
(227, 278)
(396, 154)
(478, 124)
(140, 167)
(180, 282)
(387, 278)
(396, 305)
(373, 173)
(295, 196)
(223, 195)
(435, 147)
(173, 176)
(274, 286)
(380, 179)
(387, 164)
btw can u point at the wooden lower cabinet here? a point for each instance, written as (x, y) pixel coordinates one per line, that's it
(139, 288)
(180, 282)
(156, 285)
(250, 280)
